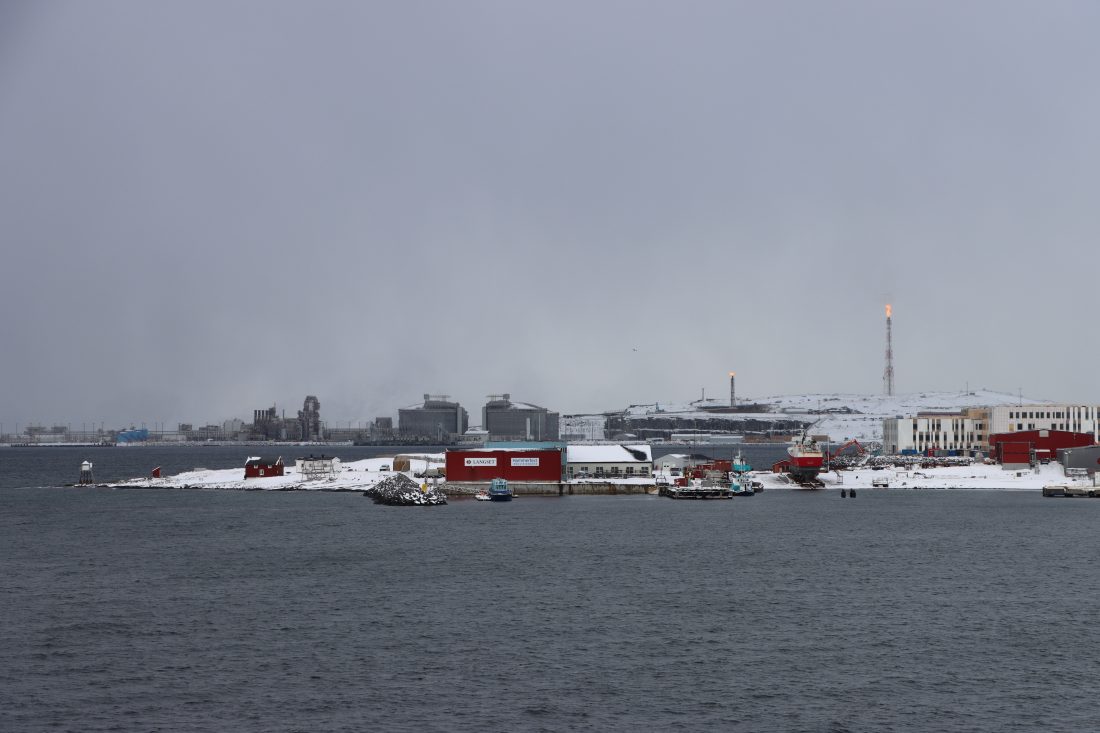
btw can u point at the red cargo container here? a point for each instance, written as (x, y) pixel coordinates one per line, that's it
(511, 465)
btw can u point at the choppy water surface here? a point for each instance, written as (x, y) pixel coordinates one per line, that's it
(790, 611)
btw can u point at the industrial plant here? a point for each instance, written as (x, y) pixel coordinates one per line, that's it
(977, 425)
(504, 419)
(437, 419)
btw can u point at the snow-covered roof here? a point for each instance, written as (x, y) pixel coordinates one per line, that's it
(868, 404)
(608, 454)
(512, 405)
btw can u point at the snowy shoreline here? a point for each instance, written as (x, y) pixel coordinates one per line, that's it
(973, 476)
(364, 474)
(352, 476)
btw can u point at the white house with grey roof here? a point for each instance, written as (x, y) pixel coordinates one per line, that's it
(608, 461)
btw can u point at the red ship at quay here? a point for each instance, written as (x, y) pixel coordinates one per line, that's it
(805, 459)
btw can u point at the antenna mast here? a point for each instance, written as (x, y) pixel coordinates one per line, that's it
(888, 373)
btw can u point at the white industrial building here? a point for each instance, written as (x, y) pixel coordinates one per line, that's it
(1072, 418)
(966, 431)
(610, 461)
(679, 461)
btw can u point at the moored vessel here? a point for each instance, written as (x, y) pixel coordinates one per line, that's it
(499, 491)
(805, 459)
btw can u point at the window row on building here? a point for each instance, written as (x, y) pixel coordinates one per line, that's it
(968, 431)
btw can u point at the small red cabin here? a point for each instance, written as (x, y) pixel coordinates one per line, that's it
(257, 467)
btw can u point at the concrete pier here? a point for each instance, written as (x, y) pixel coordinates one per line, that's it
(557, 488)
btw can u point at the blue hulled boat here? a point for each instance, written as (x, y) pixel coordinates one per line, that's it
(499, 491)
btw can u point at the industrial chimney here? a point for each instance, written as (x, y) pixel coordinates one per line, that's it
(888, 373)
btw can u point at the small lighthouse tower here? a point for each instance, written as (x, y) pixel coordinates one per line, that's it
(86, 473)
(733, 392)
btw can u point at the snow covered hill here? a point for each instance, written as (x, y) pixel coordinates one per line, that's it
(864, 422)
(841, 416)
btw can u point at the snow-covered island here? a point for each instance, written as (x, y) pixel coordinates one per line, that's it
(848, 416)
(352, 476)
(366, 473)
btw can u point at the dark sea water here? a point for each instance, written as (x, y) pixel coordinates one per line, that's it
(48, 466)
(145, 610)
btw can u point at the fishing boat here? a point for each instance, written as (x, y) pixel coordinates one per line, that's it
(742, 488)
(499, 491)
(805, 459)
(698, 489)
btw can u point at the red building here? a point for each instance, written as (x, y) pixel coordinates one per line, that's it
(511, 465)
(257, 467)
(1016, 448)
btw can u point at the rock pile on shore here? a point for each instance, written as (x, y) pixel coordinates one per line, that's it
(400, 490)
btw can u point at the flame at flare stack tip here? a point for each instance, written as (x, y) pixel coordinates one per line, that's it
(888, 373)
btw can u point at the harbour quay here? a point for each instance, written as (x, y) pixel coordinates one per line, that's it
(554, 488)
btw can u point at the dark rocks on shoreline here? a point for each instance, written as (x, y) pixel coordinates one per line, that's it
(400, 490)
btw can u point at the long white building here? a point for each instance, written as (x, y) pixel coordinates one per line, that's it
(966, 431)
(1074, 418)
(969, 430)
(608, 460)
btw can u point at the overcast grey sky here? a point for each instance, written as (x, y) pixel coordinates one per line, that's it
(208, 207)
